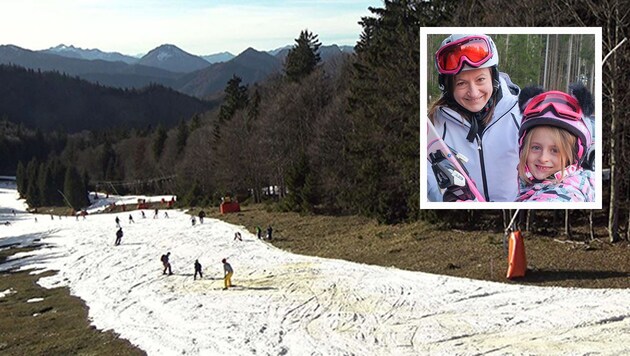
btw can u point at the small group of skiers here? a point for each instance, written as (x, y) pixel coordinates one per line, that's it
(227, 269)
(259, 232)
(155, 215)
(165, 259)
(201, 215)
(131, 221)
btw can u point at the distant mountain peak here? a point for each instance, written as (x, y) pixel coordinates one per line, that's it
(166, 51)
(173, 58)
(218, 57)
(62, 46)
(169, 47)
(249, 51)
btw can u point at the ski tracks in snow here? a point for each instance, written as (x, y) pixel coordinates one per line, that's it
(290, 304)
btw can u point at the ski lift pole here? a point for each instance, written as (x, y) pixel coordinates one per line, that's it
(507, 231)
(115, 191)
(67, 201)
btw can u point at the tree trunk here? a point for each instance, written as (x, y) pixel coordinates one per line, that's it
(590, 224)
(569, 60)
(567, 224)
(546, 62)
(531, 220)
(613, 219)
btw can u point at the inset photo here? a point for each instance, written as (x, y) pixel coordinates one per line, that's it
(510, 118)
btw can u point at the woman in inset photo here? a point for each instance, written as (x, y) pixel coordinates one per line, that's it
(477, 116)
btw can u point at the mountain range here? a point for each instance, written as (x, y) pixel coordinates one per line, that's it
(89, 54)
(167, 65)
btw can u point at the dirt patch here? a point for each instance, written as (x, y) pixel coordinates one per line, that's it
(56, 325)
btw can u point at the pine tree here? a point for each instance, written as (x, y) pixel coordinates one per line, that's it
(300, 186)
(195, 123)
(20, 179)
(58, 170)
(194, 196)
(303, 57)
(74, 189)
(384, 108)
(47, 189)
(32, 187)
(182, 136)
(107, 160)
(159, 142)
(236, 98)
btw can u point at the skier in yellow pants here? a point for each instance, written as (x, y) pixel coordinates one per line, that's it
(227, 269)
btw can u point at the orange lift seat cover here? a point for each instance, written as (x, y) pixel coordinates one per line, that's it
(517, 262)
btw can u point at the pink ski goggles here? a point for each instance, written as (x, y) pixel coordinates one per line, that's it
(563, 105)
(474, 50)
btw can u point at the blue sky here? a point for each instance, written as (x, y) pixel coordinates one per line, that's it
(199, 27)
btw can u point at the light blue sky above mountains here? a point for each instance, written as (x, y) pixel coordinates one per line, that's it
(199, 27)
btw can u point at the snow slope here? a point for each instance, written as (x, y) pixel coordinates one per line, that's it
(296, 305)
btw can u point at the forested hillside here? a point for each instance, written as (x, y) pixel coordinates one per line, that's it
(51, 101)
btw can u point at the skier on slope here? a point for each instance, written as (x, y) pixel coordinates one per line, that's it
(166, 263)
(198, 270)
(228, 272)
(119, 235)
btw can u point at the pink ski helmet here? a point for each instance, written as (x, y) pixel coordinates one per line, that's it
(558, 109)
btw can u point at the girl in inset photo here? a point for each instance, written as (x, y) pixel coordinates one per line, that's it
(554, 141)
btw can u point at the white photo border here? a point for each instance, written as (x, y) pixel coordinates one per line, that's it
(424, 70)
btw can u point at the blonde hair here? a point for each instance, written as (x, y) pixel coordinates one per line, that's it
(445, 101)
(564, 141)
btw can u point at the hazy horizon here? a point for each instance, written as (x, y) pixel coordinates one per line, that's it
(197, 27)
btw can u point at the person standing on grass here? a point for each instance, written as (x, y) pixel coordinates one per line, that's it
(119, 235)
(269, 232)
(227, 269)
(166, 263)
(198, 270)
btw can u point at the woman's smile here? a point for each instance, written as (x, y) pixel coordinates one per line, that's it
(473, 88)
